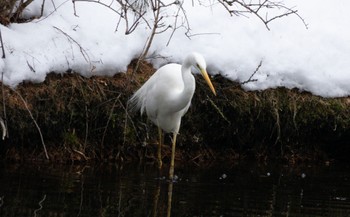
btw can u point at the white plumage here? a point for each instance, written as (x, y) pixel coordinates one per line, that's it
(167, 95)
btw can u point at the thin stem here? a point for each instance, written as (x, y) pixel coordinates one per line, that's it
(2, 46)
(36, 124)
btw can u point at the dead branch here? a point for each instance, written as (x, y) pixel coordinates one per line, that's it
(158, 7)
(260, 9)
(55, 7)
(40, 206)
(3, 128)
(2, 121)
(42, 8)
(221, 113)
(138, 11)
(23, 4)
(36, 124)
(82, 50)
(122, 12)
(133, 12)
(127, 109)
(250, 79)
(81, 154)
(100, 3)
(109, 119)
(2, 46)
(185, 23)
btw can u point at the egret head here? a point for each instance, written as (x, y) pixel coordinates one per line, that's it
(198, 61)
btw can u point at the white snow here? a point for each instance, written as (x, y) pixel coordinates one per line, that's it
(316, 59)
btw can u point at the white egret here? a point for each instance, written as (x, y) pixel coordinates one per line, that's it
(166, 97)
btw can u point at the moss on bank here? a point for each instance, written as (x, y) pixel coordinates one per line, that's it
(86, 119)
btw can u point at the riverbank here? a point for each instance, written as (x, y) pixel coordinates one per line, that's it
(86, 119)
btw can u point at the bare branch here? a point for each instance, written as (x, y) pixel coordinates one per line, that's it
(133, 12)
(250, 79)
(3, 128)
(53, 10)
(184, 23)
(101, 3)
(109, 119)
(159, 26)
(82, 50)
(40, 206)
(125, 8)
(36, 124)
(260, 9)
(2, 46)
(20, 8)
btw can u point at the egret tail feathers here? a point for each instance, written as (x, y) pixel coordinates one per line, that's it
(136, 103)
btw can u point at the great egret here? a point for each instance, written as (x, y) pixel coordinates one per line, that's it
(166, 97)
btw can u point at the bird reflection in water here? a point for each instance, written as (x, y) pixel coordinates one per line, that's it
(156, 206)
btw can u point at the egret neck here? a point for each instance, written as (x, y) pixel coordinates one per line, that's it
(184, 97)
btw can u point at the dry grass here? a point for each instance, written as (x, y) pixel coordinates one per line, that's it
(86, 119)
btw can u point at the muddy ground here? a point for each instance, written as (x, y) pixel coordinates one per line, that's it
(86, 119)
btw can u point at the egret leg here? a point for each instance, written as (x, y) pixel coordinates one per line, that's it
(172, 162)
(159, 152)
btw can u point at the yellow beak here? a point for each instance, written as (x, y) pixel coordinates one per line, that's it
(207, 79)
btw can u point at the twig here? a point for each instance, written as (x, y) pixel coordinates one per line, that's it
(3, 128)
(277, 124)
(241, 7)
(40, 205)
(176, 27)
(125, 6)
(36, 124)
(98, 2)
(53, 3)
(159, 27)
(251, 76)
(2, 46)
(81, 154)
(31, 67)
(3, 123)
(86, 126)
(109, 119)
(127, 117)
(202, 33)
(42, 8)
(82, 50)
(156, 8)
(218, 110)
(23, 4)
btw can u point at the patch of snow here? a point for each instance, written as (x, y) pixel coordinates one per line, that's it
(316, 59)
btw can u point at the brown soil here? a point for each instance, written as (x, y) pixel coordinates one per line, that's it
(85, 119)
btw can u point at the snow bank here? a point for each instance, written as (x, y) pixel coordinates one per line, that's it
(316, 59)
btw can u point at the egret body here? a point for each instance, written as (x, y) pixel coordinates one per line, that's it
(166, 97)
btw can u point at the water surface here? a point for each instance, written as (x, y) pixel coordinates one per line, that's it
(139, 190)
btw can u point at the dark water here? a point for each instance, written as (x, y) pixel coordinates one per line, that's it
(227, 190)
